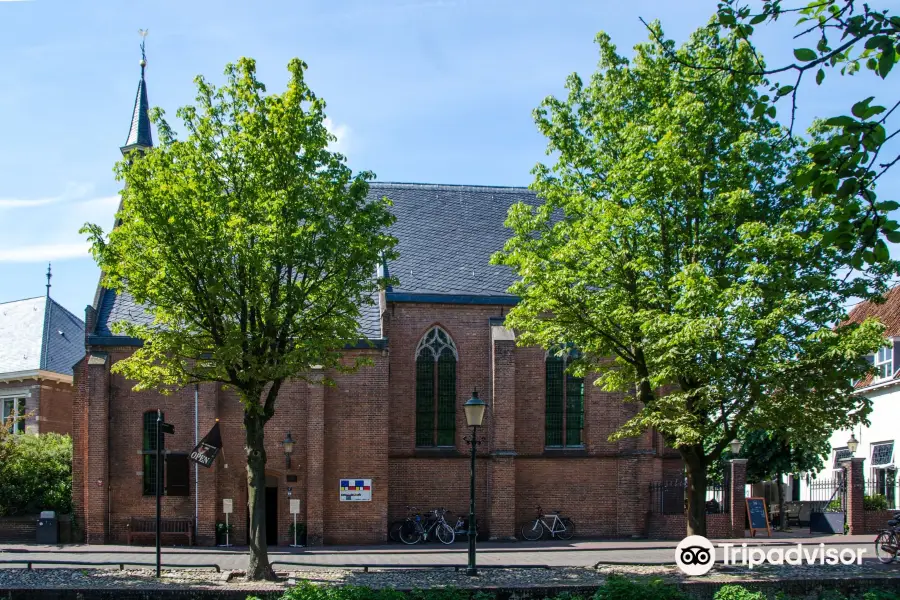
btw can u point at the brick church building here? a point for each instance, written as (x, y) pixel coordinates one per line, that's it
(432, 340)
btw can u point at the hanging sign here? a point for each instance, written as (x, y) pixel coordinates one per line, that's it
(356, 490)
(206, 451)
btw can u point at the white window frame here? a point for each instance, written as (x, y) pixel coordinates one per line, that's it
(17, 401)
(835, 462)
(884, 363)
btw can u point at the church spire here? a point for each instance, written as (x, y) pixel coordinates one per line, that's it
(139, 137)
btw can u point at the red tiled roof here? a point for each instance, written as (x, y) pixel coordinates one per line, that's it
(887, 312)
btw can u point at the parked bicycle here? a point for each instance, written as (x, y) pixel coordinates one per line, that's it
(462, 526)
(419, 529)
(887, 543)
(394, 530)
(561, 527)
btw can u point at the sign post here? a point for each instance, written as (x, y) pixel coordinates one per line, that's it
(161, 428)
(758, 516)
(295, 508)
(227, 507)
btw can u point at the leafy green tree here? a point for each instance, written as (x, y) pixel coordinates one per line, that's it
(834, 36)
(253, 246)
(36, 472)
(676, 250)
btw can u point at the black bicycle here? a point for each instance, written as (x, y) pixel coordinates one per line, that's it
(396, 526)
(419, 529)
(887, 543)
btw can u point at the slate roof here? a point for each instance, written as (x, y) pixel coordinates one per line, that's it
(139, 133)
(446, 235)
(38, 333)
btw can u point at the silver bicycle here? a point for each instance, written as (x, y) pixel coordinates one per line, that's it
(561, 527)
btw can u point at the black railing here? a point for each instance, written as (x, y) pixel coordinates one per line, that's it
(668, 497)
(881, 494)
(828, 495)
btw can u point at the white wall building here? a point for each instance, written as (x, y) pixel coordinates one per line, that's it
(877, 440)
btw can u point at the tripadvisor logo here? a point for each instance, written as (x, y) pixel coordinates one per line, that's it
(695, 555)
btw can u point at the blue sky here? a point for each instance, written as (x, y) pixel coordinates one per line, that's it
(437, 91)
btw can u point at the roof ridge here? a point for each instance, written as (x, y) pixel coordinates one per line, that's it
(22, 299)
(450, 186)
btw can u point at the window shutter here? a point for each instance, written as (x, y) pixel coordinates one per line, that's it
(177, 475)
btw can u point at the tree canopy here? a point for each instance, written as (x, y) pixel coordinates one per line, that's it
(678, 250)
(252, 245)
(831, 37)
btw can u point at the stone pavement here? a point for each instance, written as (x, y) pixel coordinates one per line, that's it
(517, 554)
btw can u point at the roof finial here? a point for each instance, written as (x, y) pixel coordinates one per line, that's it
(49, 275)
(143, 33)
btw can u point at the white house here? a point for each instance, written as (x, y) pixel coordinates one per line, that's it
(874, 442)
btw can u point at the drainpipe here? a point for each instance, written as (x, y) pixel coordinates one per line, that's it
(196, 466)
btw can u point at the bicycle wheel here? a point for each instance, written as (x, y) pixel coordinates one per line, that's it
(410, 534)
(445, 533)
(886, 546)
(568, 532)
(533, 531)
(394, 531)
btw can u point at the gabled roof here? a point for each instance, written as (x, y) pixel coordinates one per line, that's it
(38, 334)
(446, 235)
(887, 312)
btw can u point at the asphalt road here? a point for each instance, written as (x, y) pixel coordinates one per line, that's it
(552, 554)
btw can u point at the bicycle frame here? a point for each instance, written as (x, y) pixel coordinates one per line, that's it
(553, 529)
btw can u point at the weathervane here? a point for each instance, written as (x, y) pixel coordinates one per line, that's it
(143, 33)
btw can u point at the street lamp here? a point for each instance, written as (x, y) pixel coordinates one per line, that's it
(736, 446)
(852, 444)
(288, 444)
(474, 416)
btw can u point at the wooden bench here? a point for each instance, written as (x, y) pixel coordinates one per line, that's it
(144, 527)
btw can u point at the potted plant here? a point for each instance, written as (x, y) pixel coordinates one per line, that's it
(301, 533)
(223, 532)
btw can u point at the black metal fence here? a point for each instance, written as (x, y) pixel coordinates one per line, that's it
(828, 495)
(668, 497)
(881, 494)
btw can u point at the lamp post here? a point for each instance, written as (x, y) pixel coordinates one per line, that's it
(736, 446)
(288, 444)
(474, 415)
(852, 444)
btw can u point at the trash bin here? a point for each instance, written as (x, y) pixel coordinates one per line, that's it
(48, 528)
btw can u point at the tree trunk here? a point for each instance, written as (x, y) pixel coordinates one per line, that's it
(782, 515)
(695, 496)
(259, 567)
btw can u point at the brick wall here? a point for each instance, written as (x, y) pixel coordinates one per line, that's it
(363, 426)
(876, 520)
(48, 404)
(673, 527)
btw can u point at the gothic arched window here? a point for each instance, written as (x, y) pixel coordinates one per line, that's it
(436, 358)
(564, 417)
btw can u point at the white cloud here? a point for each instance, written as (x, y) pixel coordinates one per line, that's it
(73, 191)
(44, 252)
(341, 132)
(47, 228)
